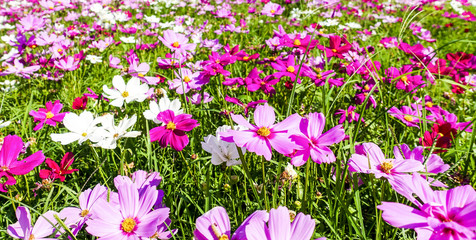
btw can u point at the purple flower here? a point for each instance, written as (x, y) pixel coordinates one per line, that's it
(440, 215)
(176, 42)
(9, 164)
(350, 115)
(280, 227)
(405, 81)
(272, 9)
(23, 229)
(289, 68)
(51, 115)
(173, 132)
(130, 217)
(265, 135)
(186, 80)
(313, 142)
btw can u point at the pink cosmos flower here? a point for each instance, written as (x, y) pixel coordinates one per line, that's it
(370, 159)
(173, 132)
(215, 224)
(176, 42)
(280, 227)
(335, 49)
(24, 230)
(9, 164)
(313, 142)
(408, 115)
(350, 115)
(289, 68)
(272, 9)
(440, 215)
(246, 107)
(19, 69)
(140, 70)
(265, 135)
(405, 81)
(31, 23)
(130, 217)
(68, 63)
(51, 115)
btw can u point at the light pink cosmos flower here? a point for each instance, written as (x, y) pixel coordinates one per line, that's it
(19, 69)
(177, 42)
(24, 230)
(9, 164)
(31, 23)
(280, 227)
(130, 218)
(265, 135)
(67, 63)
(313, 142)
(440, 215)
(272, 9)
(370, 159)
(410, 116)
(186, 80)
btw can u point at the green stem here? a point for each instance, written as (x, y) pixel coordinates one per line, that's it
(306, 184)
(264, 184)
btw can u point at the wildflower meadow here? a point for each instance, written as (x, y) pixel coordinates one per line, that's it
(237, 119)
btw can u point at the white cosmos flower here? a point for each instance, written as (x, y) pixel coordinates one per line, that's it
(164, 104)
(128, 39)
(222, 151)
(290, 170)
(112, 133)
(82, 128)
(133, 91)
(94, 59)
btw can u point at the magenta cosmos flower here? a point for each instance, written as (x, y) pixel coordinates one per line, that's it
(176, 42)
(272, 9)
(405, 81)
(440, 215)
(280, 227)
(51, 115)
(370, 159)
(265, 135)
(130, 218)
(173, 132)
(24, 230)
(9, 164)
(313, 142)
(215, 224)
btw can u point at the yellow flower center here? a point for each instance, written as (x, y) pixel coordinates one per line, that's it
(140, 75)
(441, 134)
(246, 58)
(175, 44)
(386, 167)
(116, 135)
(51, 8)
(290, 69)
(128, 225)
(297, 42)
(217, 232)
(186, 79)
(49, 115)
(273, 11)
(366, 87)
(319, 76)
(32, 237)
(171, 126)
(84, 134)
(272, 59)
(217, 61)
(404, 79)
(60, 50)
(263, 131)
(429, 104)
(408, 118)
(125, 94)
(4, 168)
(84, 213)
(334, 50)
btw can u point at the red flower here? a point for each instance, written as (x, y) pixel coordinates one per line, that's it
(58, 171)
(80, 103)
(442, 133)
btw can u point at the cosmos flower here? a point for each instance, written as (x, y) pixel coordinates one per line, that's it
(130, 217)
(23, 229)
(222, 152)
(280, 227)
(163, 104)
(176, 42)
(173, 132)
(313, 142)
(133, 91)
(82, 128)
(410, 116)
(271, 9)
(186, 81)
(111, 133)
(51, 115)
(58, 171)
(9, 163)
(265, 135)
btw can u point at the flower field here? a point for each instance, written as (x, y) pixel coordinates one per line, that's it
(240, 120)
